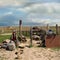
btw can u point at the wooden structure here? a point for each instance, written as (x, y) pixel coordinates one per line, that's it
(47, 26)
(31, 36)
(56, 29)
(20, 27)
(21, 38)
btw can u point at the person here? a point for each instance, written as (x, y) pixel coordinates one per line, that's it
(14, 38)
(14, 35)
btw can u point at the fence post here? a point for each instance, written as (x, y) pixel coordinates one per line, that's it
(57, 29)
(47, 26)
(30, 36)
(20, 28)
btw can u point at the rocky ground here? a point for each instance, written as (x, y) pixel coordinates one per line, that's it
(33, 53)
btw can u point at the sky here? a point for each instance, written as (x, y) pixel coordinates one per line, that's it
(31, 12)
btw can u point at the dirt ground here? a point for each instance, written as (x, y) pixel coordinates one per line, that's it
(33, 53)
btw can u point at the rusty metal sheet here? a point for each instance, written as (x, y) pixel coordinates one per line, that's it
(52, 41)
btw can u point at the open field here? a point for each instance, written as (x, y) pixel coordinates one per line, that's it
(4, 37)
(25, 31)
(9, 29)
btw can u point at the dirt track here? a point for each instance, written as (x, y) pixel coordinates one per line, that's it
(31, 54)
(6, 34)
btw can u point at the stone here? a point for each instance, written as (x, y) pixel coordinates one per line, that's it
(35, 37)
(11, 46)
(6, 41)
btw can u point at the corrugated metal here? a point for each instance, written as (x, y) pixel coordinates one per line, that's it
(52, 41)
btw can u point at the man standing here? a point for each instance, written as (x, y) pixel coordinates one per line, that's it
(14, 38)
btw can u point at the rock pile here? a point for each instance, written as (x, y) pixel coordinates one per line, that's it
(8, 44)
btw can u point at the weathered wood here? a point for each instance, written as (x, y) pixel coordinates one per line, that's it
(30, 35)
(20, 28)
(47, 26)
(57, 29)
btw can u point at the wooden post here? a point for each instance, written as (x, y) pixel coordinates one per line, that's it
(31, 36)
(57, 29)
(20, 28)
(47, 26)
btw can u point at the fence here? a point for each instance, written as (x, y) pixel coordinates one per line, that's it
(56, 28)
(26, 32)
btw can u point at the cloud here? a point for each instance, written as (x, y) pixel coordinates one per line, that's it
(42, 8)
(38, 12)
(42, 1)
(12, 2)
(23, 2)
(8, 13)
(45, 21)
(8, 20)
(42, 13)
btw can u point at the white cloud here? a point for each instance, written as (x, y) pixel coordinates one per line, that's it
(45, 21)
(47, 12)
(12, 2)
(8, 13)
(42, 8)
